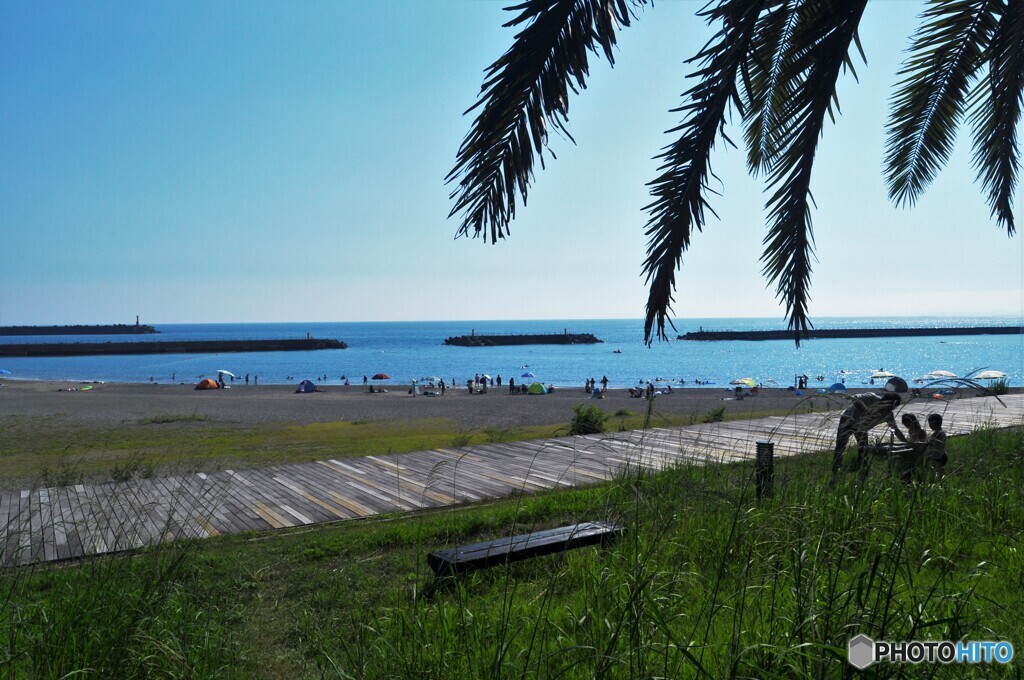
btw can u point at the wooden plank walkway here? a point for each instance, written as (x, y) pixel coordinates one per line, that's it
(50, 524)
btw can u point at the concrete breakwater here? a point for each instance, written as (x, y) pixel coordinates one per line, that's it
(565, 338)
(853, 333)
(70, 349)
(111, 329)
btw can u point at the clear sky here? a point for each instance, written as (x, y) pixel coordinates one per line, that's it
(285, 161)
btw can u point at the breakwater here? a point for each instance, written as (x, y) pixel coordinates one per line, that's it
(565, 338)
(112, 329)
(853, 333)
(72, 349)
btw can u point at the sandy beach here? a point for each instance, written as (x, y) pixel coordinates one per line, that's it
(106, 405)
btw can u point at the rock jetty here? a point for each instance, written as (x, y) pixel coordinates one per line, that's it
(564, 338)
(853, 333)
(70, 349)
(113, 329)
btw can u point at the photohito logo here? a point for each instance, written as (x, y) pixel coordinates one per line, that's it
(862, 651)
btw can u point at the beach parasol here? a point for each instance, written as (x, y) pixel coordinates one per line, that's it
(527, 375)
(990, 375)
(430, 379)
(749, 382)
(381, 376)
(879, 375)
(219, 371)
(935, 375)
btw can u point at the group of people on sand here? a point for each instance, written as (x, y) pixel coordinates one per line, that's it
(926, 452)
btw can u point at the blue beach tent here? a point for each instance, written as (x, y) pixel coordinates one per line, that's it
(305, 387)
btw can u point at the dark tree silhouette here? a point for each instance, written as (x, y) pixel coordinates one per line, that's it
(776, 63)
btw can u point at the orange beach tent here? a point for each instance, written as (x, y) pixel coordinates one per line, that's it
(206, 384)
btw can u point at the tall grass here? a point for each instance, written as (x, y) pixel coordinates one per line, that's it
(711, 583)
(707, 582)
(117, 617)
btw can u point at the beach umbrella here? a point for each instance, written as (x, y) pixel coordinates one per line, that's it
(749, 382)
(879, 375)
(225, 372)
(485, 376)
(430, 379)
(527, 375)
(990, 375)
(381, 376)
(935, 375)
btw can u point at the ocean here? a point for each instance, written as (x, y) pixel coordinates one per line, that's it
(411, 350)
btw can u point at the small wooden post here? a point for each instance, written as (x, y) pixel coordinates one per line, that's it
(764, 468)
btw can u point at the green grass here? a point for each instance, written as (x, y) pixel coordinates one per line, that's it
(51, 452)
(708, 582)
(166, 419)
(40, 450)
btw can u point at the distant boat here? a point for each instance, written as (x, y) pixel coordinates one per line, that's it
(616, 351)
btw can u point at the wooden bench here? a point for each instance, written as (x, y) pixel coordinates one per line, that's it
(455, 561)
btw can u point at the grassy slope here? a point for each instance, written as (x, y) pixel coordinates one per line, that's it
(51, 452)
(707, 578)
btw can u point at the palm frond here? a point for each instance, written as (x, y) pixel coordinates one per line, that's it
(765, 91)
(997, 112)
(821, 43)
(679, 191)
(945, 55)
(526, 93)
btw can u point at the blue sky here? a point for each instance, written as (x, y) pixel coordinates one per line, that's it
(275, 161)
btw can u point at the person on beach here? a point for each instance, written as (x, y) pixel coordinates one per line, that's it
(498, 382)
(511, 385)
(604, 383)
(907, 465)
(866, 411)
(935, 454)
(364, 379)
(441, 385)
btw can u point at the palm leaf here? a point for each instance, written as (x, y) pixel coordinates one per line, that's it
(820, 53)
(998, 109)
(679, 191)
(526, 93)
(945, 55)
(765, 91)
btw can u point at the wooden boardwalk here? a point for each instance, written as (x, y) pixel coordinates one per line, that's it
(59, 523)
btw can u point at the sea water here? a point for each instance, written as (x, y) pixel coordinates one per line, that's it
(413, 350)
